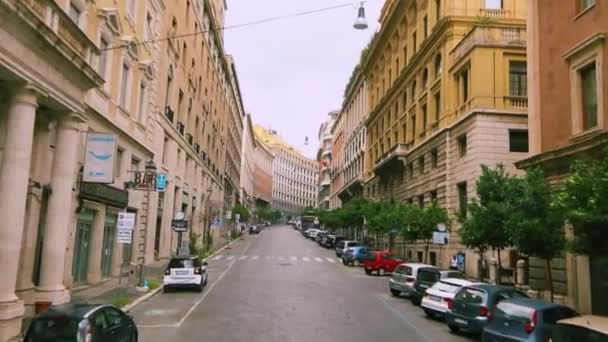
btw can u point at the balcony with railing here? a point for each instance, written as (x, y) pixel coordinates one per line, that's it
(169, 113)
(180, 127)
(490, 36)
(189, 138)
(59, 30)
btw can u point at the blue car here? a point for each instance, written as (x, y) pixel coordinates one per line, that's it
(524, 320)
(470, 308)
(355, 255)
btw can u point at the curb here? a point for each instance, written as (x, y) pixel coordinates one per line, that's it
(152, 293)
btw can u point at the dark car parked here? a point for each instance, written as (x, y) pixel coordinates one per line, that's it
(471, 306)
(524, 319)
(426, 277)
(254, 229)
(82, 322)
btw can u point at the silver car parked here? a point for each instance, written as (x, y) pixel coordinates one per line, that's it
(403, 278)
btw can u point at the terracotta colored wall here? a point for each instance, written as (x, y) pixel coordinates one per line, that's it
(262, 186)
(559, 31)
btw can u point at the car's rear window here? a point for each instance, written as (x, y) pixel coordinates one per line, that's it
(446, 287)
(573, 333)
(53, 329)
(472, 296)
(340, 244)
(427, 275)
(181, 263)
(353, 244)
(454, 275)
(514, 311)
(371, 256)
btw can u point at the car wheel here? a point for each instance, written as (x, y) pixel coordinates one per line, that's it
(199, 287)
(205, 281)
(415, 301)
(454, 329)
(344, 262)
(428, 313)
(381, 272)
(395, 293)
(356, 263)
(368, 272)
(166, 289)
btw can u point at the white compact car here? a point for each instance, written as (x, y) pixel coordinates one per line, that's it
(185, 272)
(438, 297)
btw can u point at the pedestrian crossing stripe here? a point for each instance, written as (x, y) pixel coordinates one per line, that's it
(317, 259)
(331, 260)
(230, 257)
(305, 259)
(217, 258)
(294, 258)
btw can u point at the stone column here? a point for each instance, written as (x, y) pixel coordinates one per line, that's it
(165, 230)
(116, 258)
(59, 213)
(14, 172)
(95, 246)
(39, 166)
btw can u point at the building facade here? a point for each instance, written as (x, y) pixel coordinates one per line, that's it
(324, 158)
(70, 68)
(337, 161)
(294, 176)
(355, 112)
(447, 93)
(568, 115)
(262, 178)
(248, 165)
(235, 116)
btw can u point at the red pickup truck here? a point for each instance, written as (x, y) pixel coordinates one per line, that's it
(381, 262)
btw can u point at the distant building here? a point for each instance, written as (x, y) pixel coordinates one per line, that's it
(294, 176)
(324, 159)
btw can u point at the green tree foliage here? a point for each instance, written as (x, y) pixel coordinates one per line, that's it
(242, 211)
(536, 227)
(263, 213)
(429, 218)
(583, 200)
(485, 226)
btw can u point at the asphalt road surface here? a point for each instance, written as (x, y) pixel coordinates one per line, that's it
(278, 286)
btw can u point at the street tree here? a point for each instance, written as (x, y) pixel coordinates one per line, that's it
(430, 217)
(536, 227)
(485, 225)
(582, 198)
(242, 211)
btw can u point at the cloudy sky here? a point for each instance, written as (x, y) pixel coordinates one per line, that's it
(292, 72)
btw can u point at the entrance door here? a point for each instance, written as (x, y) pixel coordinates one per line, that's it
(81, 246)
(599, 286)
(107, 248)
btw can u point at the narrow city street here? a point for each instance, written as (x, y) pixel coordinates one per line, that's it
(278, 286)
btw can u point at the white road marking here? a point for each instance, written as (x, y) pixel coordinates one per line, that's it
(268, 257)
(317, 259)
(330, 260)
(243, 257)
(294, 258)
(305, 259)
(338, 260)
(217, 258)
(255, 257)
(281, 258)
(230, 257)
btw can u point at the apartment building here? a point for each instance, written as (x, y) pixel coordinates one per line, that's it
(248, 157)
(568, 88)
(447, 93)
(235, 115)
(324, 158)
(337, 161)
(262, 178)
(71, 71)
(294, 176)
(354, 113)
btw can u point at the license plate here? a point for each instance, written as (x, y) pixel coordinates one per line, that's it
(461, 321)
(186, 272)
(435, 298)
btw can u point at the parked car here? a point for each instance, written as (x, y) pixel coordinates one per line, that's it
(581, 329)
(185, 272)
(471, 306)
(438, 298)
(312, 233)
(333, 240)
(325, 241)
(426, 277)
(320, 236)
(343, 245)
(254, 229)
(403, 278)
(355, 256)
(381, 262)
(82, 322)
(524, 319)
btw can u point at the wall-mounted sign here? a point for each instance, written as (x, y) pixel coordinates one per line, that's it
(124, 228)
(179, 225)
(100, 158)
(161, 181)
(144, 180)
